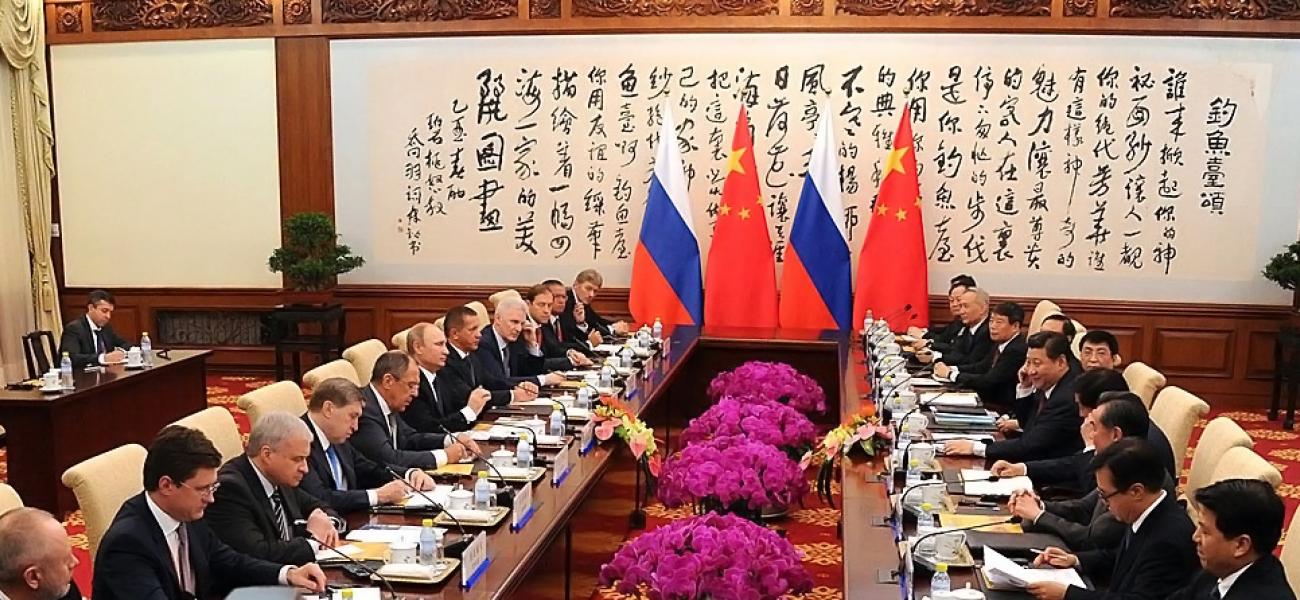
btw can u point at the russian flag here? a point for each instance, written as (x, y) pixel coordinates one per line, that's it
(666, 280)
(816, 284)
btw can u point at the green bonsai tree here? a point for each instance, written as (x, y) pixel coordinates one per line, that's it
(1284, 268)
(311, 256)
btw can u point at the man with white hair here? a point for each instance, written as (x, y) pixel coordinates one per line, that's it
(259, 509)
(511, 348)
(36, 559)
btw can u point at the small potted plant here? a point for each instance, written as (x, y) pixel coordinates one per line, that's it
(1284, 270)
(311, 258)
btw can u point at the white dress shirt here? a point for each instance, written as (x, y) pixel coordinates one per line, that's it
(439, 455)
(324, 443)
(468, 412)
(171, 532)
(1225, 583)
(1146, 513)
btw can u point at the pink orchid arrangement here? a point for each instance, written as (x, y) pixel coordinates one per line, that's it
(863, 431)
(731, 473)
(773, 381)
(613, 418)
(722, 557)
(759, 420)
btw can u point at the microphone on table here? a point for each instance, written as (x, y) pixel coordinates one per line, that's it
(903, 421)
(388, 586)
(902, 498)
(506, 495)
(914, 544)
(455, 549)
(866, 341)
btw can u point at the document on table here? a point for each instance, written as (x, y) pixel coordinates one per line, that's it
(1002, 487)
(1002, 573)
(967, 399)
(440, 494)
(923, 382)
(386, 534)
(947, 437)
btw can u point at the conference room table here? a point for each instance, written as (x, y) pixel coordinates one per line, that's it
(109, 406)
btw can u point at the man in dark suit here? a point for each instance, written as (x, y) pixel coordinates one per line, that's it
(1239, 524)
(973, 343)
(90, 340)
(382, 435)
(1156, 554)
(443, 401)
(1048, 417)
(1064, 325)
(948, 333)
(511, 348)
(36, 559)
(464, 334)
(159, 547)
(558, 355)
(580, 320)
(560, 303)
(994, 377)
(338, 474)
(1099, 349)
(259, 508)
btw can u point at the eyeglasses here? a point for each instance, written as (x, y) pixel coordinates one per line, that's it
(1106, 497)
(207, 490)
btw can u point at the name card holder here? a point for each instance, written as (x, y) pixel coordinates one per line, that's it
(523, 507)
(474, 561)
(561, 467)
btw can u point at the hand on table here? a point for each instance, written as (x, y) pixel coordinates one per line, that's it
(578, 359)
(941, 371)
(916, 332)
(468, 442)
(959, 448)
(116, 356)
(553, 378)
(1027, 507)
(391, 492)
(419, 480)
(1003, 468)
(619, 327)
(308, 577)
(321, 527)
(595, 338)
(1047, 590)
(478, 399)
(1006, 426)
(1056, 557)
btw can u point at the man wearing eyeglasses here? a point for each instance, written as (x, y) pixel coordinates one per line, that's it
(159, 548)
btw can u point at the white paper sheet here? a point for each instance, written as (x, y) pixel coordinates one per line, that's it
(439, 493)
(967, 399)
(405, 533)
(1004, 574)
(1002, 487)
(330, 555)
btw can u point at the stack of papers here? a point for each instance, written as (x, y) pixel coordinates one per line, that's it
(923, 382)
(1002, 573)
(984, 419)
(1002, 487)
(386, 534)
(977, 437)
(967, 399)
(440, 494)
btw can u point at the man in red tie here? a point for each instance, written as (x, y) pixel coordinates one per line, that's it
(995, 377)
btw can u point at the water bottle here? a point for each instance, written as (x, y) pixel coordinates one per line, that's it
(868, 322)
(65, 372)
(557, 422)
(924, 525)
(940, 583)
(428, 542)
(913, 472)
(584, 398)
(607, 376)
(482, 492)
(146, 349)
(437, 547)
(524, 452)
(625, 355)
(658, 330)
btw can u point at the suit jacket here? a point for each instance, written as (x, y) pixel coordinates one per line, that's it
(242, 516)
(1070, 471)
(995, 377)
(1158, 440)
(1048, 433)
(555, 341)
(970, 348)
(374, 439)
(946, 335)
(79, 342)
(578, 331)
(359, 474)
(554, 351)
(1085, 523)
(1265, 578)
(134, 563)
(471, 373)
(523, 366)
(439, 402)
(1159, 558)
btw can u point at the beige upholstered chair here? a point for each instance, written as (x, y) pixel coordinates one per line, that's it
(1290, 556)
(219, 426)
(1220, 435)
(1177, 417)
(1079, 330)
(439, 323)
(102, 483)
(478, 307)
(282, 395)
(399, 339)
(1144, 381)
(363, 357)
(9, 498)
(1044, 308)
(333, 368)
(495, 299)
(1243, 463)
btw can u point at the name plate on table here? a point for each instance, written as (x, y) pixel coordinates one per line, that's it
(473, 562)
(523, 508)
(560, 468)
(587, 440)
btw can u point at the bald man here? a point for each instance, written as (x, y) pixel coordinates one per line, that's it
(36, 559)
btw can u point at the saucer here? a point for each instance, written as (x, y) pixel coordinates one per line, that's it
(52, 390)
(139, 365)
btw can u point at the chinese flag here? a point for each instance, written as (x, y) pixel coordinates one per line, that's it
(892, 270)
(740, 282)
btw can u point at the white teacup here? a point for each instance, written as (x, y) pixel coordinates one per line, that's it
(917, 422)
(133, 356)
(921, 452)
(503, 458)
(948, 545)
(538, 426)
(459, 499)
(402, 553)
(50, 380)
(591, 379)
(932, 495)
(904, 402)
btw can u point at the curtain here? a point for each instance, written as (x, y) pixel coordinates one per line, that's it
(15, 270)
(22, 39)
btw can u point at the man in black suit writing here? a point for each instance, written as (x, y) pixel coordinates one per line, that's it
(557, 354)
(511, 347)
(443, 401)
(559, 304)
(1156, 554)
(464, 334)
(36, 559)
(580, 320)
(259, 508)
(382, 435)
(90, 340)
(1239, 524)
(994, 377)
(337, 473)
(159, 548)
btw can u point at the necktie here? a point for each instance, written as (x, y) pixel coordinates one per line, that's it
(183, 570)
(335, 468)
(99, 342)
(559, 335)
(277, 510)
(1214, 593)
(1042, 401)
(505, 360)
(997, 352)
(392, 428)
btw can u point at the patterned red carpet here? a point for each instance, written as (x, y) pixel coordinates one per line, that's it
(811, 528)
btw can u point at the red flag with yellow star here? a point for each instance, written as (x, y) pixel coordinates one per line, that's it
(740, 280)
(892, 267)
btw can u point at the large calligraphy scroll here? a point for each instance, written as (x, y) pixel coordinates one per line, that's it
(1068, 166)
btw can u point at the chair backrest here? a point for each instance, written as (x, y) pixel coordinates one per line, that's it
(333, 368)
(1079, 330)
(39, 350)
(1290, 556)
(1220, 434)
(219, 426)
(1244, 463)
(477, 307)
(1044, 308)
(282, 395)
(102, 483)
(440, 322)
(1177, 418)
(363, 357)
(9, 498)
(399, 339)
(495, 299)
(1144, 381)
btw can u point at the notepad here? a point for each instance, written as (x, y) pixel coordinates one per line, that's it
(387, 535)
(1002, 487)
(439, 493)
(1002, 573)
(923, 382)
(984, 522)
(950, 398)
